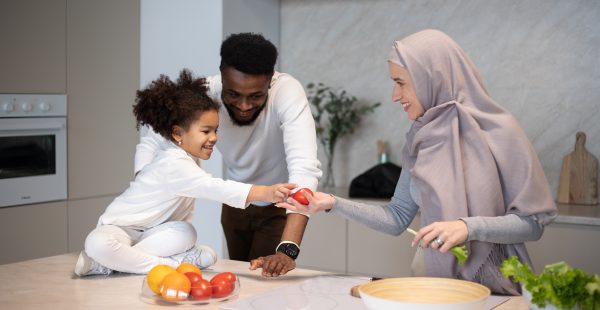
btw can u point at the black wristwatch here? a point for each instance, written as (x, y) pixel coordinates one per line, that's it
(289, 249)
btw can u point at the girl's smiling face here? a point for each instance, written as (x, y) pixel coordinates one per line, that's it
(404, 92)
(201, 136)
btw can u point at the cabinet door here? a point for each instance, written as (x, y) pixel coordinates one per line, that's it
(577, 245)
(33, 46)
(324, 244)
(103, 76)
(33, 231)
(372, 253)
(83, 217)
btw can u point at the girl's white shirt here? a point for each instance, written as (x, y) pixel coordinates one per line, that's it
(166, 188)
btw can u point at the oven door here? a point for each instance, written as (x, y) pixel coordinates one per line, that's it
(33, 160)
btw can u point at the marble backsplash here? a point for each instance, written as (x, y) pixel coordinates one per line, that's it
(539, 58)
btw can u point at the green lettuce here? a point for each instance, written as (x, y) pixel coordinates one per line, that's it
(461, 253)
(558, 284)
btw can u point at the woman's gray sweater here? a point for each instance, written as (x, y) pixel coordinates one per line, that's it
(395, 217)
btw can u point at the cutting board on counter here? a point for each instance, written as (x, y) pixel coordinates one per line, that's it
(578, 182)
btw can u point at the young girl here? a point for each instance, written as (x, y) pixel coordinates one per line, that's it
(149, 223)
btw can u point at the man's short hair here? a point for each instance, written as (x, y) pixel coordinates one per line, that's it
(249, 53)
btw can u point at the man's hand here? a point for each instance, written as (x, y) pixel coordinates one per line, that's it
(274, 265)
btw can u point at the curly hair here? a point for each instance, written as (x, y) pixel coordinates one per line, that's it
(249, 53)
(164, 103)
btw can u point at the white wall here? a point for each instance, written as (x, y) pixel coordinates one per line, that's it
(259, 16)
(539, 59)
(178, 34)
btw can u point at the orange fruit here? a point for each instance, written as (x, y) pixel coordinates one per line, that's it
(186, 267)
(156, 276)
(175, 286)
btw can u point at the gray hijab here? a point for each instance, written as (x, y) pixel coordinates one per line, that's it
(468, 156)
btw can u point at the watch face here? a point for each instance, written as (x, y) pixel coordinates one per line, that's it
(289, 249)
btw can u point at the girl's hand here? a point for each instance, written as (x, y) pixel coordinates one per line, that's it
(316, 203)
(449, 234)
(273, 193)
(279, 192)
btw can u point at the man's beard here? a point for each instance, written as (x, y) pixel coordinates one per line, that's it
(242, 122)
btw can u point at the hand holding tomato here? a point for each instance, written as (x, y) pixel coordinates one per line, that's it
(300, 196)
(318, 202)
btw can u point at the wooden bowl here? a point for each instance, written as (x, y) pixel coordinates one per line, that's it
(423, 293)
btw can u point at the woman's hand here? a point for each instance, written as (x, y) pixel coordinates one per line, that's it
(316, 203)
(449, 234)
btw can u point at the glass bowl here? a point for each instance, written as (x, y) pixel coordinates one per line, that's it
(148, 296)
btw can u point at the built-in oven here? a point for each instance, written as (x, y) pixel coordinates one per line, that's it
(33, 148)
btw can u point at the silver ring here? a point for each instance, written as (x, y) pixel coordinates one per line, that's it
(438, 241)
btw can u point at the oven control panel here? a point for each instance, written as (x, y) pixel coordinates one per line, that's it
(33, 105)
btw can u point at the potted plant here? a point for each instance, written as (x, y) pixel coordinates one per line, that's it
(336, 115)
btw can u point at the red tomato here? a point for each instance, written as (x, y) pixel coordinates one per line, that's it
(228, 276)
(299, 196)
(221, 288)
(193, 277)
(222, 284)
(202, 290)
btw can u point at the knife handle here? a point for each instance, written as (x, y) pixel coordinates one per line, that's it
(354, 290)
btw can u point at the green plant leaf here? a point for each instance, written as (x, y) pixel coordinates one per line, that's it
(335, 113)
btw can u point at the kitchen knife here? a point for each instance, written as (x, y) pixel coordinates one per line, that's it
(354, 290)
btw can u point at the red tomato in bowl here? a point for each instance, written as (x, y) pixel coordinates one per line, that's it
(193, 277)
(299, 196)
(202, 290)
(222, 284)
(228, 276)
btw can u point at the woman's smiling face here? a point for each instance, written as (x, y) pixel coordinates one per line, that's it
(404, 92)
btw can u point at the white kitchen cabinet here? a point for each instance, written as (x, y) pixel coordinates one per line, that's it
(324, 245)
(103, 59)
(33, 46)
(90, 51)
(83, 217)
(33, 231)
(578, 245)
(372, 253)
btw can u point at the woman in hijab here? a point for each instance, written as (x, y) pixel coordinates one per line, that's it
(467, 166)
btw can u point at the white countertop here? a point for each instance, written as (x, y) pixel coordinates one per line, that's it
(49, 283)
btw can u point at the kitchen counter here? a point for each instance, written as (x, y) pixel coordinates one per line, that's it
(49, 283)
(567, 213)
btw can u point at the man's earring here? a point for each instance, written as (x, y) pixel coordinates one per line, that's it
(179, 142)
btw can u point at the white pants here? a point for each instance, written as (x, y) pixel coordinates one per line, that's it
(134, 251)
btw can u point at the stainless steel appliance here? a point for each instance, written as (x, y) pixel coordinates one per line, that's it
(33, 148)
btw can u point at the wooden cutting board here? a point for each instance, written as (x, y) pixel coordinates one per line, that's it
(579, 176)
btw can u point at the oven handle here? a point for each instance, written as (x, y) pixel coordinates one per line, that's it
(32, 126)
